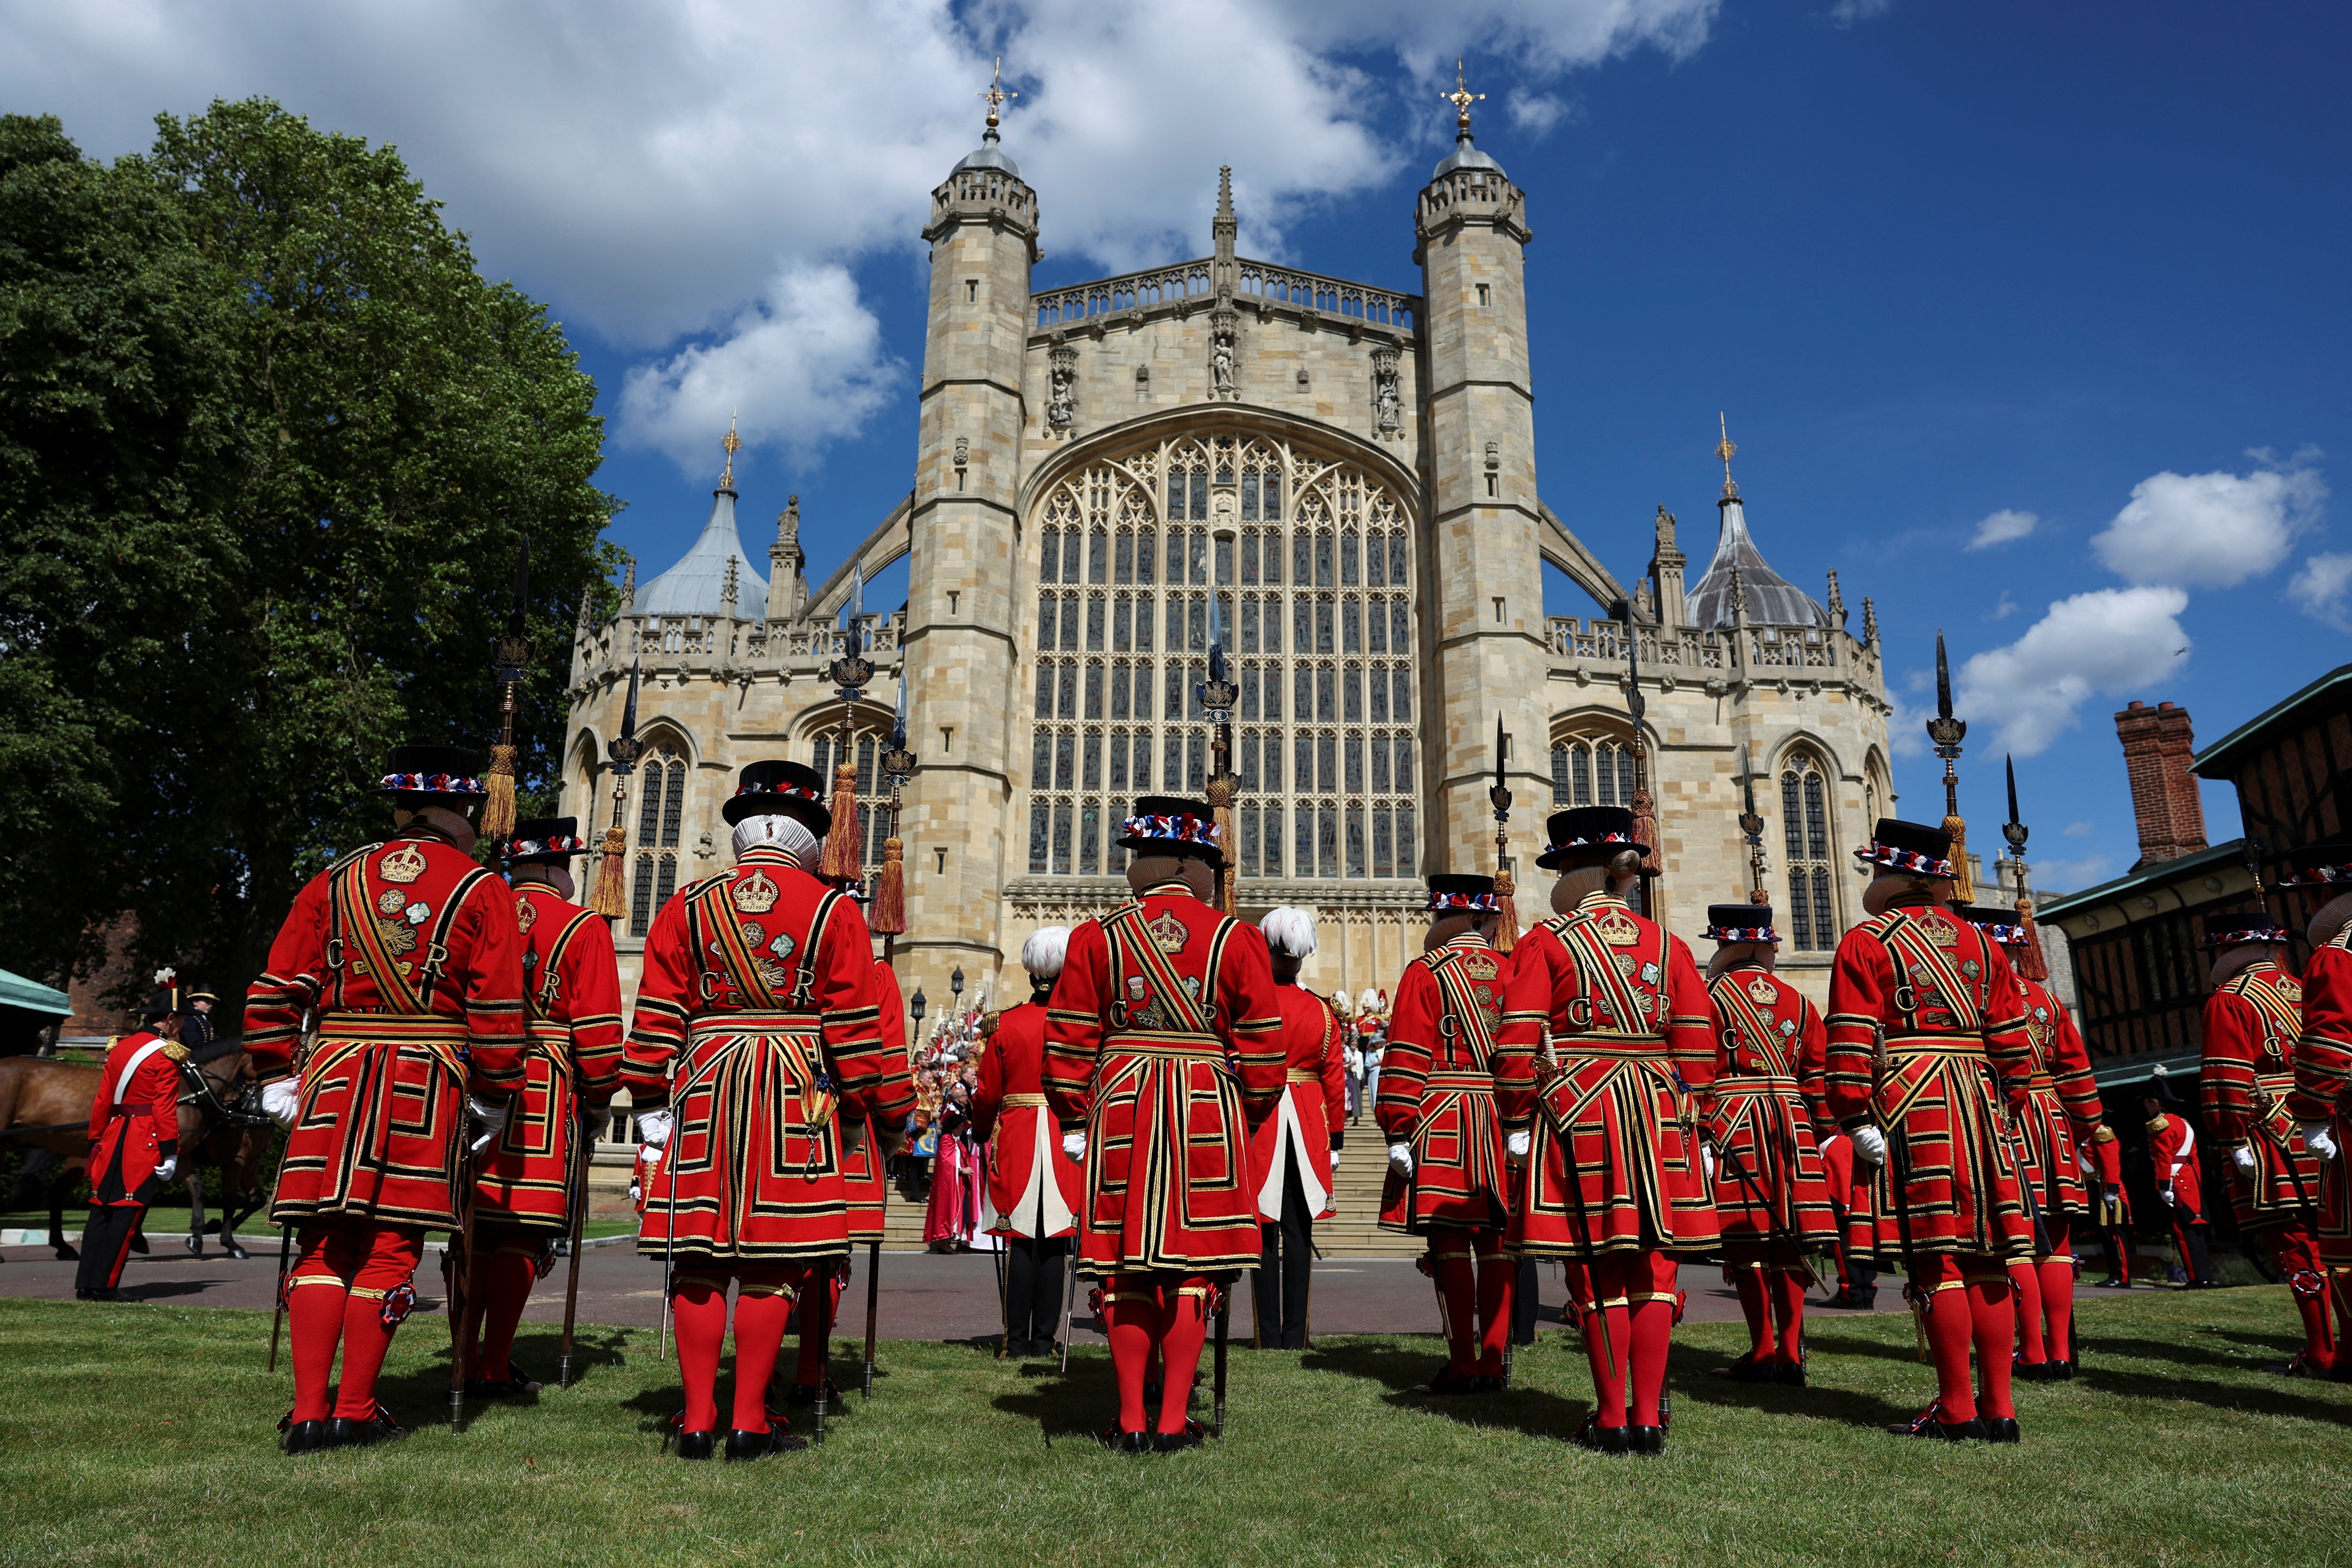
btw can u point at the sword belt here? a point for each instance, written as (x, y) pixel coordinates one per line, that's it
(1460, 1082)
(1025, 1102)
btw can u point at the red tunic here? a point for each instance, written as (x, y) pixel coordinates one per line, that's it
(410, 954)
(2172, 1160)
(1953, 1022)
(1164, 1038)
(1614, 1162)
(2061, 1130)
(1026, 1169)
(2252, 1021)
(756, 1019)
(861, 1168)
(134, 1117)
(1760, 1112)
(1313, 1109)
(538, 1165)
(1448, 1040)
(2323, 1088)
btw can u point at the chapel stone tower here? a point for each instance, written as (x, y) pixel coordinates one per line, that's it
(960, 637)
(1485, 571)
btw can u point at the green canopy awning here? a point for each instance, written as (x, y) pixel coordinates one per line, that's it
(16, 990)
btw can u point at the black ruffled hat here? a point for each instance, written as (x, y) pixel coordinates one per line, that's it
(1912, 846)
(1456, 894)
(1999, 924)
(1585, 834)
(780, 788)
(545, 841)
(2239, 927)
(2318, 866)
(1740, 922)
(1170, 825)
(451, 771)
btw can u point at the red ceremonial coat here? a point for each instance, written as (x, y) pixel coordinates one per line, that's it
(1613, 1163)
(135, 1118)
(536, 1167)
(1313, 1111)
(409, 952)
(1955, 1049)
(1448, 1038)
(1163, 1037)
(1034, 1189)
(1837, 1164)
(2253, 1022)
(2061, 1129)
(2172, 1160)
(2322, 1087)
(1760, 1111)
(757, 1020)
(861, 1168)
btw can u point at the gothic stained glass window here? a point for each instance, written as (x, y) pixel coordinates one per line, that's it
(1310, 555)
(661, 814)
(1805, 848)
(1592, 770)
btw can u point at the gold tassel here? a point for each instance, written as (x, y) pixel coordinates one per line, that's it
(1506, 924)
(1221, 813)
(608, 899)
(1964, 887)
(1645, 829)
(841, 861)
(890, 891)
(2032, 965)
(498, 811)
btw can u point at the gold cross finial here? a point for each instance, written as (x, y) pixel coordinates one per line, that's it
(1461, 97)
(732, 444)
(1723, 451)
(997, 94)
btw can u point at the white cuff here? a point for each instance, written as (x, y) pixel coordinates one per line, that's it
(653, 1127)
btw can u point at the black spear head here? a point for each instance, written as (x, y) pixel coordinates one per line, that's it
(625, 747)
(1943, 729)
(1943, 679)
(1500, 793)
(2013, 829)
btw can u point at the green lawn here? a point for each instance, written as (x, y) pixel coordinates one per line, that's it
(143, 1434)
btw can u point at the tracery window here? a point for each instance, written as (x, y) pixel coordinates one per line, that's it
(1805, 839)
(661, 814)
(1592, 770)
(1307, 564)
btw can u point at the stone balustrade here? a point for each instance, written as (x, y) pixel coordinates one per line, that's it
(1724, 656)
(1262, 285)
(725, 648)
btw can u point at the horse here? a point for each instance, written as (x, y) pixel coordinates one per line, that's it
(45, 1108)
(221, 1120)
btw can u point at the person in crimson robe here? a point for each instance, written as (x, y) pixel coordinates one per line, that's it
(1613, 1178)
(756, 1026)
(1164, 1048)
(1928, 1068)
(1296, 1149)
(1034, 1189)
(529, 1178)
(134, 1140)
(2178, 1176)
(409, 955)
(2321, 1095)
(953, 1215)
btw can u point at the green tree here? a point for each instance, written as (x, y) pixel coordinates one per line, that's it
(395, 426)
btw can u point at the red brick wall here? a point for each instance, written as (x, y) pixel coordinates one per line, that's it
(2158, 747)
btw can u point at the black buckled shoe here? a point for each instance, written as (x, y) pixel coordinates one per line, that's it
(1599, 1438)
(1119, 1442)
(1748, 1369)
(696, 1445)
(1931, 1424)
(2034, 1372)
(743, 1446)
(2299, 1364)
(1792, 1373)
(1193, 1437)
(307, 1436)
(1444, 1382)
(344, 1432)
(514, 1385)
(2000, 1429)
(1646, 1439)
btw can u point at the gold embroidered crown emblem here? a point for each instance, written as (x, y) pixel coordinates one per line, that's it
(2290, 988)
(403, 865)
(1169, 934)
(1480, 966)
(526, 915)
(1763, 991)
(1939, 933)
(1617, 929)
(755, 894)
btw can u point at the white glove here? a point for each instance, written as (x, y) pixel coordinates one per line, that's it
(1073, 1144)
(489, 1116)
(2243, 1158)
(1516, 1144)
(167, 1167)
(1401, 1159)
(2170, 1198)
(1870, 1145)
(649, 1155)
(282, 1099)
(1335, 1161)
(2320, 1138)
(653, 1127)
(1706, 1161)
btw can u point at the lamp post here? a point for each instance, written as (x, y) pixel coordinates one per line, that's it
(917, 1006)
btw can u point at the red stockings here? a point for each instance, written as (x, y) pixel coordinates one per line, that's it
(354, 1286)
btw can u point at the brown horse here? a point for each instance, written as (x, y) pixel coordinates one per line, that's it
(221, 1121)
(45, 1105)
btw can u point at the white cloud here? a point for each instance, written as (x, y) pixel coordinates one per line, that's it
(2319, 589)
(2077, 830)
(805, 365)
(2052, 877)
(654, 168)
(2005, 609)
(2211, 530)
(1537, 113)
(2107, 642)
(2002, 527)
(1906, 727)
(1846, 12)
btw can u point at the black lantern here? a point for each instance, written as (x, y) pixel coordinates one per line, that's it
(955, 981)
(917, 1004)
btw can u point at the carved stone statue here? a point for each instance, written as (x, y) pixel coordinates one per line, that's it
(1062, 401)
(1387, 405)
(1221, 366)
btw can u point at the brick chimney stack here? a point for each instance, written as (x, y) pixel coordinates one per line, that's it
(2157, 752)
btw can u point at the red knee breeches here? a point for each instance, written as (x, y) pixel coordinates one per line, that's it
(352, 1285)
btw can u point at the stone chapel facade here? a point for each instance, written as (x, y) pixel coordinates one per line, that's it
(1341, 480)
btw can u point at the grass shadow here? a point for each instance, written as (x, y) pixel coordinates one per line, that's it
(159, 1289)
(1058, 1401)
(1690, 1373)
(2253, 1352)
(1531, 1412)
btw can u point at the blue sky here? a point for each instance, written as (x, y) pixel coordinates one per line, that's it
(2066, 280)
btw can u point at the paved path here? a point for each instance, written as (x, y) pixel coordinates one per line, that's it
(925, 1296)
